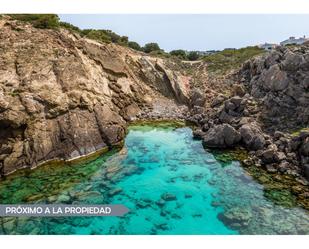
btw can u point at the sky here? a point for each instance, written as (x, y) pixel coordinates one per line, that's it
(197, 32)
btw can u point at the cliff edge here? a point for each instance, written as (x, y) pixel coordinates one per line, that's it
(63, 96)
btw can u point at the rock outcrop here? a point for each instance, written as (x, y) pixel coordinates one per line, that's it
(270, 101)
(63, 96)
(280, 80)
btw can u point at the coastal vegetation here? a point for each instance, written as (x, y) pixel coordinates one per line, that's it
(223, 61)
(52, 21)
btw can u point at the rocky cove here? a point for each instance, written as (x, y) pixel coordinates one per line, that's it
(195, 192)
(63, 97)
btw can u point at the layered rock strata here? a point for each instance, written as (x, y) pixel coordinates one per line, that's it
(63, 96)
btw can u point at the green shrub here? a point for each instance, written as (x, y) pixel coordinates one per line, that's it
(229, 59)
(99, 35)
(150, 47)
(70, 27)
(134, 45)
(181, 54)
(193, 56)
(42, 21)
(160, 53)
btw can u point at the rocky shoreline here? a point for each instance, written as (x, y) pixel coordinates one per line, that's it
(63, 97)
(269, 99)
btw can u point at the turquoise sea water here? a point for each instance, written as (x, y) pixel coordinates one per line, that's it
(168, 181)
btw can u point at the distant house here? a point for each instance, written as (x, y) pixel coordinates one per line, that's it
(293, 40)
(208, 52)
(268, 46)
(230, 49)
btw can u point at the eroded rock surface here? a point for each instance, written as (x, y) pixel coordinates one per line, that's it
(63, 96)
(269, 103)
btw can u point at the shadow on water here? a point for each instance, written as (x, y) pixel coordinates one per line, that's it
(168, 181)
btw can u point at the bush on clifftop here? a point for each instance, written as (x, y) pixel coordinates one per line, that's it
(150, 47)
(52, 21)
(134, 45)
(193, 56)
(42, 21)
(181, 54)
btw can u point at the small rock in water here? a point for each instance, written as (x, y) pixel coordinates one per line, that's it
(197, 215)
(154, 159)
(168, 197)
(144, 203)
(211, 182)
(162, 226)
(114, 191)
(187, 196)
(163, 213)
(130, 170)
(91, 197)
(160, 203)
(63, 198)
(210, 161)
(176, 216)
(52, 198)
(215, 204)
(113, 169)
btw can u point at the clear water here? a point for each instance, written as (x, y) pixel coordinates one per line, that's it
(206, 197)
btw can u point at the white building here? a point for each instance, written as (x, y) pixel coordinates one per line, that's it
(293, 40)
(268, 46)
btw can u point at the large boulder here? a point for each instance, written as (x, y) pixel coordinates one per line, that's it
(274, 79)
(197, 98)
(221, 136)
(291, 61)
(252, 136)
(235, 104)
(270, 156)
(217, 101)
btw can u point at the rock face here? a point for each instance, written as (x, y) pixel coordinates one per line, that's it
(269, 100)
(280, 81)
(63, 96)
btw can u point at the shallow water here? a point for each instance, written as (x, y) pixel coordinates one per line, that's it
(202, 196)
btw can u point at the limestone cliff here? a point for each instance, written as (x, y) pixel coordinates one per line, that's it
(63, 96)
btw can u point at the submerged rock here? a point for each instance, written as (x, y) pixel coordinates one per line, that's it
(160, 203)
(63, 198)
(236, 217)
(114, 191)
(168, 197)
(90, 197)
